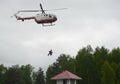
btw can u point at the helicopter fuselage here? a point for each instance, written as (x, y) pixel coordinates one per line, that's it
(41, 18)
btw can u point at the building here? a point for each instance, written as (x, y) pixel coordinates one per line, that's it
(65, 77)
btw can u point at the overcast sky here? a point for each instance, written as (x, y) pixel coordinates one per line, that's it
(85, 22)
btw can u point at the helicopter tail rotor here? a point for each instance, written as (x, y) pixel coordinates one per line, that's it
(14, 15)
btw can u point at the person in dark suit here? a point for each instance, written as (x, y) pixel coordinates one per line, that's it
(50, 52)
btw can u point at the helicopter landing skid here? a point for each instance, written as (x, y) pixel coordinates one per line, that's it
(45, 25)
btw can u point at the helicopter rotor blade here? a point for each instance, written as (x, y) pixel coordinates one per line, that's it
(29, 11)
(42, 8)
(56, 9)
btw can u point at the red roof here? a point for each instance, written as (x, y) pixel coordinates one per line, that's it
(65, 75)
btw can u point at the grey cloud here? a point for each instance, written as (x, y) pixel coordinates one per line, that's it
(94, 22)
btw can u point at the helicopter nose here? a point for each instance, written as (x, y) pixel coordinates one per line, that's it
(55, 18)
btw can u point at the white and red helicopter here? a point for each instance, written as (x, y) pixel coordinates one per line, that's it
(40, 18)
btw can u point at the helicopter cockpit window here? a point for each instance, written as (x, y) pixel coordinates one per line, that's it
(50, 16)
(46, 15)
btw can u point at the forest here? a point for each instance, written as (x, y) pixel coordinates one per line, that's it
(95, 66)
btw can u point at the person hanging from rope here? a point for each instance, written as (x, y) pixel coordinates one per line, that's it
(50, 52)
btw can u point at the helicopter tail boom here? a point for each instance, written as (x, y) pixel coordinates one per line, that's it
(24, 18)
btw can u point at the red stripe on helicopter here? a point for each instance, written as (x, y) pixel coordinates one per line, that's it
(46, 21)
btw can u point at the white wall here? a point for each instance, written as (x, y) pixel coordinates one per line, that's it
(61, 81)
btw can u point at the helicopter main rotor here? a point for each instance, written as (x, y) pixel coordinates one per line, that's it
(42, 10)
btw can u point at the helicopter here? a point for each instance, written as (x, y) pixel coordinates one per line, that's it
(40, 18)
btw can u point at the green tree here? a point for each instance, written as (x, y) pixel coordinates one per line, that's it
(3, 70)
(115, 55)
(13, 75)
(118, 74)
(34, 76)
(115, 69)
(65, 62)
(27, 71)
(40, 79)
(85, 66)
(51, 71)
(100, 55)
(108, 74)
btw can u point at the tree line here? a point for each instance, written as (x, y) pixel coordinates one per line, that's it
(21, 75)
(94, 66)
